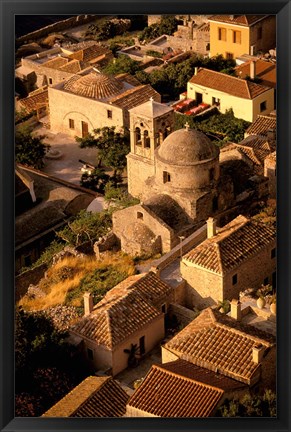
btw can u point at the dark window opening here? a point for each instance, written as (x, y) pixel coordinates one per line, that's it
(199, 98)
(263, 106)
(90, 354)
(137, 136)
(234, 279)
(166, 177)
(215, 204)
(50, 80)
(229, 56)
(273, 253)
(237, 37)
(139, 215)
(109, 114)
(260, 33)
(142, 345)
(71, 124)
(147, 141)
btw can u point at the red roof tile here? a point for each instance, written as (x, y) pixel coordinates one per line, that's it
(164, 393)
(135, 96)
(93, 397)
(233, 244)
(244, 20)
(228, 84)
(221, 344)
(261, 125)
(36, 100)
(265, 70)
(125, 309)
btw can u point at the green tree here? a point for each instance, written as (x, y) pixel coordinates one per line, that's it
(112, 146)
(29, 150)
(168, 25)
(95, 181)
(86, 226)
(250, 406)
(122, 64)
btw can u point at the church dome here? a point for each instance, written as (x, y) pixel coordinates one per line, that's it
(187, 147)
(93, 85)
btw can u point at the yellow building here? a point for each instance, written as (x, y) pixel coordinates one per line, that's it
(246, 98)
(235, 35)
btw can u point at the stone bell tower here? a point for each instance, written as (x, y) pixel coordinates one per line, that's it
(150, 124)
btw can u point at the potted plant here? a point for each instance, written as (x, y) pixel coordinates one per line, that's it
(224, 306)
(262, 293)
(273, 304)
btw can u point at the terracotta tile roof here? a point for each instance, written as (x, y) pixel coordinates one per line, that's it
(265, 70)
(244, 20)
(228, 84)
(125, 309)
(256, 148)
(261, 125)
(89, 53)
(72, 66)
(56, 62)
(221, 344)
(94, 397)
(37, 100)
(164, 393)
(233, 244)
(135, 96)
(206, 376)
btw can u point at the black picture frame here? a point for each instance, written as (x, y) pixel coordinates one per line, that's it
(282, 9)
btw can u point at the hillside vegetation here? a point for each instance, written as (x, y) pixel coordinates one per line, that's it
(66, 281)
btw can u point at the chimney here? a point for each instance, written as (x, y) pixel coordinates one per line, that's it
(88, 303)
(231, 17)
(271, 135)
(196, 71)
(258, 351)
(235, 309)
(211, 227)
(253, 49)
(252, 69)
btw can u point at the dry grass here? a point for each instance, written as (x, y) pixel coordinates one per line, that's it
(66, 275)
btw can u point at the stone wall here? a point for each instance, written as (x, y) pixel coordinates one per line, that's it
(270, 172)
(268, 40)
(56, 27)
(27, 278)
(64, 106)
(183, 314)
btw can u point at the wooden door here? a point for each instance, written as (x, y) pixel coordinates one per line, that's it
(85, 129)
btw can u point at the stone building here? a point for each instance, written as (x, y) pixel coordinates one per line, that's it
(94, 397)
(195, 391)
(46, 208)
(271, 173)
(131, 314)
(90, 100)
(245, 98)
(60, 63)
(263, 70)
(223, 344)
(240, 255)
(235, 35)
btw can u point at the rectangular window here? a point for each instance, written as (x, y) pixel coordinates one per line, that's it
(229, 56)
(260, 33)
(236, 37)
(50, 80)
(142, 345)
(166, 177)
(222, 34)
(234, 279)
(90, 354)
(263, 106)
(109, 114)
(71, 124)
(273, 253)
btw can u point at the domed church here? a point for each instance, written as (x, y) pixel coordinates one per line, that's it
(175, 174)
